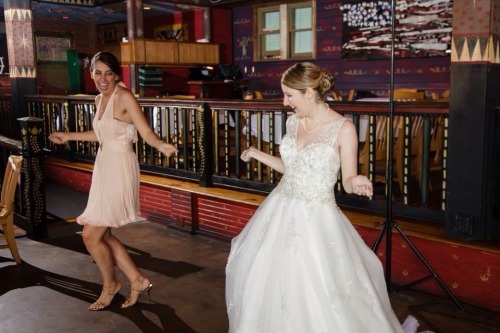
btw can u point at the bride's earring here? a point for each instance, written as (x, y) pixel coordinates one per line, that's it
(309, 93)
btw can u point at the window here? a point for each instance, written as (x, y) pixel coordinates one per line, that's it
(301, 31)
(285, 32)
(270, 39)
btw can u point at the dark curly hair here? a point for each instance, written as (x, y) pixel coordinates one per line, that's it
(109, 60)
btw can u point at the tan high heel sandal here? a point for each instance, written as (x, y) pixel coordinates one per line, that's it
(98, 305)
(130, 302)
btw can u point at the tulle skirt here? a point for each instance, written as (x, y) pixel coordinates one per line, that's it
(300, 266)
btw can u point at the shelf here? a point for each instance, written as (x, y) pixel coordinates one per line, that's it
(155, 52)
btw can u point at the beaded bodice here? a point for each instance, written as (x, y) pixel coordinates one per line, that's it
(311, 172)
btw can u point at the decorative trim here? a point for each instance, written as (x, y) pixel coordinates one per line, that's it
(16, 14)
(22, 72)
(89, 3)
(201, 138)
(475, 49)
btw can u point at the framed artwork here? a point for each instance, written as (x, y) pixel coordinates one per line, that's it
(111, 33)
(52, 48)
(422, 29)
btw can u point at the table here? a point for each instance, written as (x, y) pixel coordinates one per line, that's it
(180, 116)
(373, 99)
(226, 89)
(363, 125)
(265, 127)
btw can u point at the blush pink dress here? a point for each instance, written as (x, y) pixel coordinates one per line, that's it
(114, 192)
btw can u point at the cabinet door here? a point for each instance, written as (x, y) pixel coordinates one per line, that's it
(198, 53)
(161, 53)
(152, 52)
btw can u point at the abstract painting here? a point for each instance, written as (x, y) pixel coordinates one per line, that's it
(52, 48)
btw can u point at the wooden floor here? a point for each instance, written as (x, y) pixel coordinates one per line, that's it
(57, 276)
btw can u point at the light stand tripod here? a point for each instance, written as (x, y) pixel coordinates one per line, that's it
(389, 223)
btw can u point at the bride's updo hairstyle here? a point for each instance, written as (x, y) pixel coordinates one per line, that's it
(308, 75)
(109, 60)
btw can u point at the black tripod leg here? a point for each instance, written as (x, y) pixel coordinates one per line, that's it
(379, 237)
(389, 224)
(434, 274)
(387, 228)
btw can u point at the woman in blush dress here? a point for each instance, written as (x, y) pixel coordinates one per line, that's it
(114, 192)
(299, 265)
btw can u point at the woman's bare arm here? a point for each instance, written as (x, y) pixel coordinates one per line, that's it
(348, 146)
(63, 137)
(130, 112)
(273, 162)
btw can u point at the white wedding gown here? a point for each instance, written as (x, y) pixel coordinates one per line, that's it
(299, 265)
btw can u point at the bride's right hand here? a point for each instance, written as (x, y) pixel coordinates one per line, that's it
(246, 155)
(58, 138)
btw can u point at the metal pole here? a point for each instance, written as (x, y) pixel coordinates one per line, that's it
(389, 223)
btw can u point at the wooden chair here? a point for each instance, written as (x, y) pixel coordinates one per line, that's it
(446, 94)
(435, 150)
(380, 148)
(337, 96)
(407, 94)
(436, 145)
(352, 95)
(445, 97)
(225, 146)
(417, 151)
(261, 141)
(181, 96)
(415, 140)
(9, 185)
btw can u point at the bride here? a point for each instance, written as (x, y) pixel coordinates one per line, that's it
(299, 265)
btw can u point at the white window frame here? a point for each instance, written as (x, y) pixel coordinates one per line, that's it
(285, 30)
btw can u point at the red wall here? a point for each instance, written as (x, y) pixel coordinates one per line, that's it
(222, 33)
(175, 78)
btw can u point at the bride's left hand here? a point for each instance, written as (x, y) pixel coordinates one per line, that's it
(361, 185)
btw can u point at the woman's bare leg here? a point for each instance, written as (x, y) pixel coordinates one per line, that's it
(138, 282)
(101, 252)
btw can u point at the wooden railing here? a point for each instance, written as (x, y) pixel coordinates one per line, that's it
(211, 134)
(419, 147)
(29, 205)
